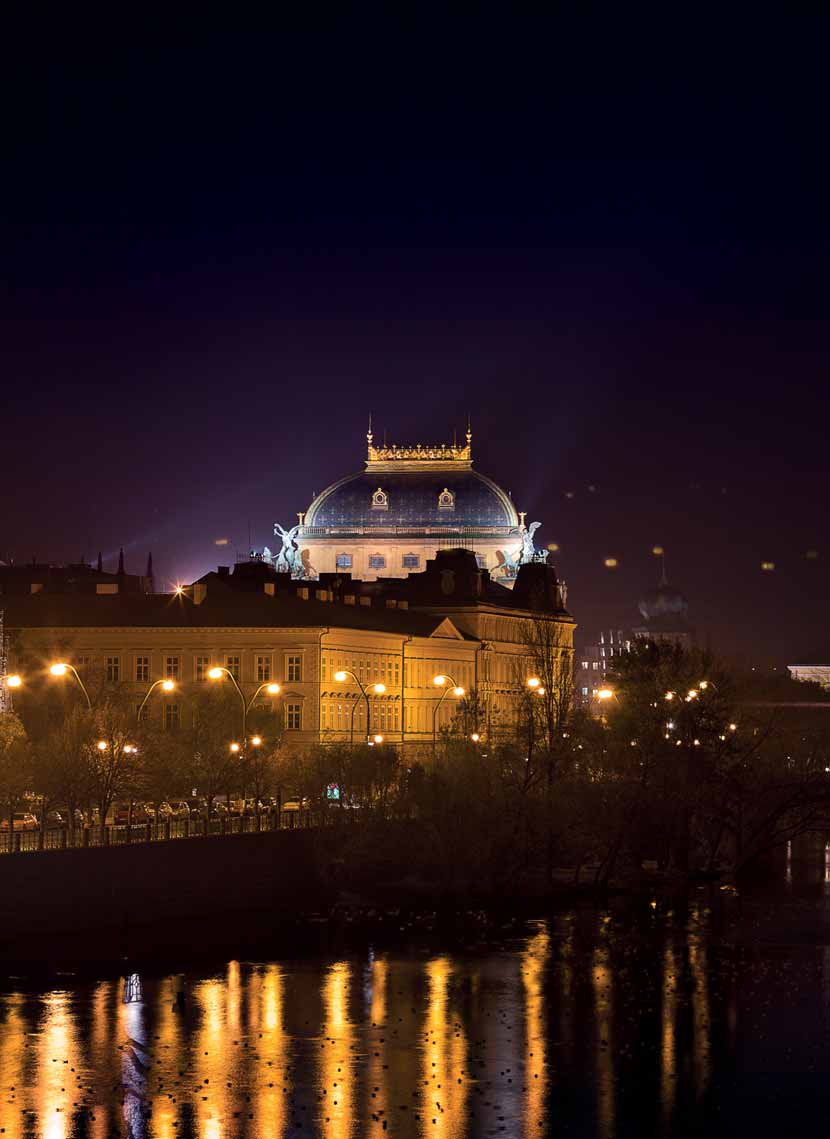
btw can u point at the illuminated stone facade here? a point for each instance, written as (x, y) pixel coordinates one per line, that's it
(265, 627)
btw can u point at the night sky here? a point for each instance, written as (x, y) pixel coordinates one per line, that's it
(221, 249)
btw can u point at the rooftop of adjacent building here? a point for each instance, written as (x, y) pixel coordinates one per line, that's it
(253, 594)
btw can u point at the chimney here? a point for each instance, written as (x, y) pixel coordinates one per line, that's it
(121, 562)
(199, 592)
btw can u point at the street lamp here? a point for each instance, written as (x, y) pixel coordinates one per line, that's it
(606, 694)
(445, 681)
(60, 668)
(256, 741)
(533, 682)
(102, 745)
(167, 685)
(235, 748)
(216, 673)
(12, 680)
(378, 690)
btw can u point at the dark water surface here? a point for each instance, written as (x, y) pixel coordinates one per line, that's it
(709, 1016)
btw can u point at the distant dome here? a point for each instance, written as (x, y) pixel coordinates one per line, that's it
(413, 499)
(663, 602)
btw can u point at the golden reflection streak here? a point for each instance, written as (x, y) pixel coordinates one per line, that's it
(534, 960)
(700, 1002)
(211, 1055)
(169, 1052)
(12, 1063)
(336, 1111)
(444, 1060)
(55, 1044)
(377, 1076)
(602, 980)
(103, 1025)
(668, 1042)
(266, 995)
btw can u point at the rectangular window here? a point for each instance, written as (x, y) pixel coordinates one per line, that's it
(343, 561)
(83, 664)
(585, 664)
(377, 561)
(142, 669)
(584, 691)
(234, 666)
(200, 668)
(171, 668)
(481, 561)
(293, 717)
(396, 674)
(263, 670)
(293, 669)
(113, 669)
(411, 561)
(171, 716)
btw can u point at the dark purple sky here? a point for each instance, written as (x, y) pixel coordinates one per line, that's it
(220, 252)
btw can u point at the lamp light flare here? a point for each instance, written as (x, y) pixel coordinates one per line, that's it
(704, 684)
(669, 696)
(168, 685)
(610, 563)
(59, 669)
(14, 681)
(101, 745)
(657, 551)
(439, 680)
(475, 737)
(273, 689)
(256, 740)
(340, 676)
(605, 694)
(733, 727)
(378, 739)
(215, 673)
(533, 682)
(768, 566)
(234, 748)
(458, 690)
(379, 688)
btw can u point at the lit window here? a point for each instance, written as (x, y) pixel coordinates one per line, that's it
(233, 665)
(343, 561)
(481, 561)
(595, 665)
(380, 500)
(142, 669)
(584, 691)
(294, 717)
(293, 669)
(171, 668)
(171, 716)
(263, 669)
(585, 664)
(113, 669)
(411, 561)
(200, 668)
(377, 561)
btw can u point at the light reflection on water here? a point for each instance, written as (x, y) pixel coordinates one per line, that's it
(594, 1023)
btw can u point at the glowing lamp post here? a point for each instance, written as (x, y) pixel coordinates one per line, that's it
(61, 668)
(443, 680)
(166, 685)
(341, 676)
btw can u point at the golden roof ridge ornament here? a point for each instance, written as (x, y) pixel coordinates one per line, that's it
(432, 456)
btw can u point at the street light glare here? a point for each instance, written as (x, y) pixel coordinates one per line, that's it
(102, 745)
(458, 690)
(234, 748)
(704, 684)
(378, 739)
(533, 682)
(340, 676)
(14, 681)
(273, 689)
(256, 740)
(439, 680)
(59, 669)
(168, 685)
(475, 737)
(215, 674)
(379, 688)
(605, 694)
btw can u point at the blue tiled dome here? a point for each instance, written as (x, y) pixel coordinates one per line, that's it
(412, 499)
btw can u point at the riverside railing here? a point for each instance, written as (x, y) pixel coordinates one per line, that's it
(81, 838)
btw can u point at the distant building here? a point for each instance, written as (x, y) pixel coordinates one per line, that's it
(665, 615)
(815, 672)
(79, 578)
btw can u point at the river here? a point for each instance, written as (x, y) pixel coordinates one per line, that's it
(704, 1015)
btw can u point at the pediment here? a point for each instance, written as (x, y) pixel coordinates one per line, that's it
(447, 629)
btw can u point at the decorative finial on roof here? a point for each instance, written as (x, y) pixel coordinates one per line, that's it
(369, 432)
(469, 430)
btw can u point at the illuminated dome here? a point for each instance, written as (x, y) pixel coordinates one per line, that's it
(410, 501)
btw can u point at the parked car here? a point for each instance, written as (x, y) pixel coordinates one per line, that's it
(120, 815)
(54, 821)
(296, 805)
(180, 809)
(22, 821)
